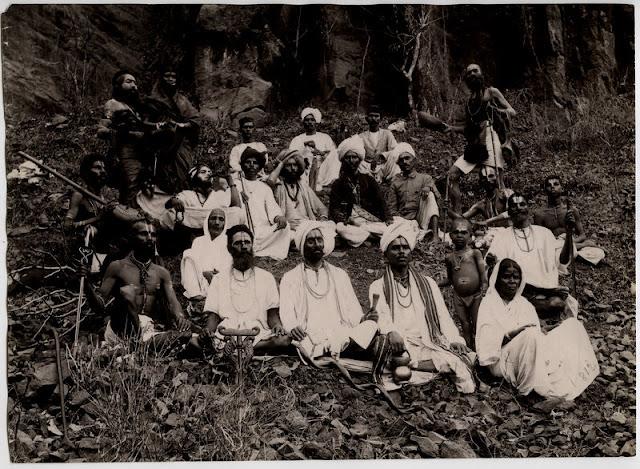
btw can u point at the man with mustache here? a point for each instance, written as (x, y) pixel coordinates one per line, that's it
(552, 217)
(243, 296)
(136, 285)
(493, 208)
(377, 144)
(413, 314)
(319, 308)
(124, 128)
(533, 247)
(177, 128)
(296, 199)
(484, 128)
(413, 195)
(247, 129)
(263, 214)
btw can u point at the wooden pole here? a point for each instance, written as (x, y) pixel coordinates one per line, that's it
(73, 184)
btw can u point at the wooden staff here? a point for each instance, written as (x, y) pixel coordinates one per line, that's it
(572, 265)
(87, 239)
(56, 337)
(73, 184)
(246, 205)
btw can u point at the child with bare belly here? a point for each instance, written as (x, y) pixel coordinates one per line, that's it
(466, 272)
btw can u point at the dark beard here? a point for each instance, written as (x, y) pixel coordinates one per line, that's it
(129, 97)
(475, 83)
(314, 256)
(290, 177)
(243, 261)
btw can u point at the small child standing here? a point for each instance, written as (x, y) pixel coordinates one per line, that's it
(466, 273)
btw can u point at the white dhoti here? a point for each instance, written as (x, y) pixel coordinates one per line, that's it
(591, 254)
(337, 339)
(156, 209)
(494, 149)
(360, 226)
(271, 242)
(148, 329)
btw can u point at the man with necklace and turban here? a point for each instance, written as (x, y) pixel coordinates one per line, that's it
(318, 150)
(320, 310)
(413, 314)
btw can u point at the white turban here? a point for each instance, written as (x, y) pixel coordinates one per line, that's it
(326, 228)
(354, 144)
(317, 115)
(397, 229)
(400, 148)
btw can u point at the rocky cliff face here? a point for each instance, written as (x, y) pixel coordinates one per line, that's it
(238, 59)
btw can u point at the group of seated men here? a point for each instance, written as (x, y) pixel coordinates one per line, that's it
(373, 191)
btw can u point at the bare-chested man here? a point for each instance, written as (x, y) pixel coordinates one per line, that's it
(485, 108)
(552, 217)
(136, 285)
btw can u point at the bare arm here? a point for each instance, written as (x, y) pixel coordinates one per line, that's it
(72, 213)
(578, 232)
(98, 299)
(235, 195)
(170, 295)
(475, 209)
(445, 282)
(213, 321)
(504, 104)
(272, 180)
(477, 256)
(273, 318)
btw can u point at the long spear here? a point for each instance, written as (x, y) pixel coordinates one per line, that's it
(86, 254)
(246, 204)
(73, 184)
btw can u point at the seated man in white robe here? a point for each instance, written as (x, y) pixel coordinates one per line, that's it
(511, 345)
(296, 199)
(208, 255)
(247, 128)
(264, 216)
(378, 143)
(318, 149)
(244, 296)
(319, 309)
(533, 247)
(414, 316)
(552, 217)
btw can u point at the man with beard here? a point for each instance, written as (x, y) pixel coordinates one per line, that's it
(319, 309)
(550, 217)
(124, 128)
(318, 150)
(296, 199)
(356, 202)
(533, 247)
(247, 128)
(485, 129)
(87, 215)
(176, 134)
(265, 218)
(413, 314)
(493, 208)
(134, 291)
(243, 296)
(377, 144)
(413, 195)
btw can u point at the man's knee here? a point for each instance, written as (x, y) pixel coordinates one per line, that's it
(454, 173)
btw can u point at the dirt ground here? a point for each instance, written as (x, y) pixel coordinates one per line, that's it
(135, 408)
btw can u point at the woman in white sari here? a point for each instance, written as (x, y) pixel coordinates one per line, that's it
(208, 254)
(510, 343)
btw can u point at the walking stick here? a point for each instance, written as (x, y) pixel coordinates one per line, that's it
(246, 205)
(56, 337)
(85, 253)
(73, 184)
(446, 206)
(572, 266)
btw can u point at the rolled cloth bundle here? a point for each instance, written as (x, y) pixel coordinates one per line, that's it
(354, 144)
(317, 115)
(395, 230)
(326, 228)
(431, 122)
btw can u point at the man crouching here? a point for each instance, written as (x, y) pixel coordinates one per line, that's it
(319, 308)
(132, 291)
(244, 296)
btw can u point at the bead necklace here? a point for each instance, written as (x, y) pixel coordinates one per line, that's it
(400, 295)
(524, 236)
(293, 198)
(143, 271)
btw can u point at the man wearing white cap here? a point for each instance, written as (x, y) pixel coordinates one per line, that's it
(318, 150)
(319, 309)
(413, 195)
(356, 202)
(414, 315)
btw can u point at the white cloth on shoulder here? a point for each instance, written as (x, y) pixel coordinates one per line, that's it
(494, 149)
(559, 364)
(329, 169)
(148, 329)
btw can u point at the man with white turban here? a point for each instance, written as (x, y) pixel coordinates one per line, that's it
(356, 202)
(318, 150)
(296, 199)
(378, 143)
(413, 314)
(413, 195)
(319, 309)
